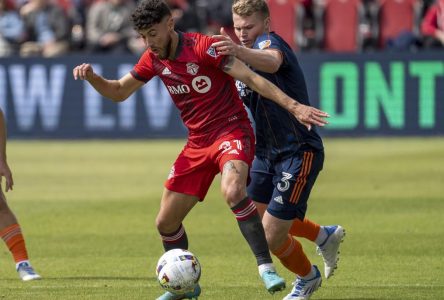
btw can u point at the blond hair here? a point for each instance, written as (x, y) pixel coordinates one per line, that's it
(248, 7)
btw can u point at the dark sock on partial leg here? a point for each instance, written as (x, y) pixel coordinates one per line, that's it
(177, 239)
(251, 227)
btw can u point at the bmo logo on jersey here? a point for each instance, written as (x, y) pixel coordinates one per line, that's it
(178, 89)
(201, 84)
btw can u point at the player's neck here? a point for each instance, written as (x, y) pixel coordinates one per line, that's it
(173, 45)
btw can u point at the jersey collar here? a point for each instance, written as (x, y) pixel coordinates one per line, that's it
(179, 45)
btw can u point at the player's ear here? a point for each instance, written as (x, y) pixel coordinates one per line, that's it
(170, 23)
(267, 23)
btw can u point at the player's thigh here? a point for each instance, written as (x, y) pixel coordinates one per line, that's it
(260, 187)
(192, 173)
(174, 207)
(294, 180)
(234, 154)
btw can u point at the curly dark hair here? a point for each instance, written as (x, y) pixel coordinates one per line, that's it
(148, 13)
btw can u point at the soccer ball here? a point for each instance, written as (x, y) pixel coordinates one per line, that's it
(178, 271)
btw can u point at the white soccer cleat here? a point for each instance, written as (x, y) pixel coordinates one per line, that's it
(26, 272)
(303, 289)
(329, 250)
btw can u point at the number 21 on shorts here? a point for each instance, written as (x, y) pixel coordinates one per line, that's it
(231, 147)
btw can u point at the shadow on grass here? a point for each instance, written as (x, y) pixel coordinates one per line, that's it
(88, 278)
(355, 298)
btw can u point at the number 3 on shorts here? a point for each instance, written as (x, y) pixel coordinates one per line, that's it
(284, 184)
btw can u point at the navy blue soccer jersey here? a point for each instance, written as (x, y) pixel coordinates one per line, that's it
(278, 133)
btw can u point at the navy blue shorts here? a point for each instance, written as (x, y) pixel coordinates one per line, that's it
(285, 185)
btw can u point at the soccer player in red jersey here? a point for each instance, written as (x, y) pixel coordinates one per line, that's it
(220, 138)
(10, 230)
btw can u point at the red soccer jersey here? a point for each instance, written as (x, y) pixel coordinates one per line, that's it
(205, 95)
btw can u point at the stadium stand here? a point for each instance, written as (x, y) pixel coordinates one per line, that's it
(287, 20)
(338, 25)
(398, 23)
(432, 26)
(326, 25)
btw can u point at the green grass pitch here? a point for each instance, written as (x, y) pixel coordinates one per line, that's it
(87, 210)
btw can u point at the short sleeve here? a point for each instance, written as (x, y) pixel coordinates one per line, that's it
(269, 41)
(143, 70)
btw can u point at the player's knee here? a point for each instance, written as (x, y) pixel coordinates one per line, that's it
(233, 193)
(275, 239)
(165, 225)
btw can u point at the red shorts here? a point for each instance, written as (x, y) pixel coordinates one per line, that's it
(195, 168)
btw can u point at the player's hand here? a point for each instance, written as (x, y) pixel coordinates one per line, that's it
(309, 116)
(6, 172)
(83, 72)
(225, 46)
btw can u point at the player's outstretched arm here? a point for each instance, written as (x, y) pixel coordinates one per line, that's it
(116, 90)
(306, 115)
(4, 168)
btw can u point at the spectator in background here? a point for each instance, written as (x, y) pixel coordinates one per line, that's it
(47, 29)
(398, 23)
(186, 15)
(75, 11)
(432, 26)
(11, 29)
(219, 15)
(109, 29)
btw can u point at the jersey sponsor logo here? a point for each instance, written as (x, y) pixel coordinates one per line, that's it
(279, 200)
(192, 68)
(284, 184)
(201, 84)
(166, 71)
(178, 89)
(264, 44)
(212, 52)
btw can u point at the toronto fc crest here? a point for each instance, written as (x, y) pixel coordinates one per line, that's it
(192, 68)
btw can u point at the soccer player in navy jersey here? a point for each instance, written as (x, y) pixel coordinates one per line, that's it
(289, 156)
(220, 137)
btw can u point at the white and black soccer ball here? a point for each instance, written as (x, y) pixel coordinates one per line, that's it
(178, 271)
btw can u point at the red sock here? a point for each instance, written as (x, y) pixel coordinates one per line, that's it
(12, 235)
(306, 229)
(292, 256)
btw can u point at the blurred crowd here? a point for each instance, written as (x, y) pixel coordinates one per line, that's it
(52, 28)
(360, 25)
